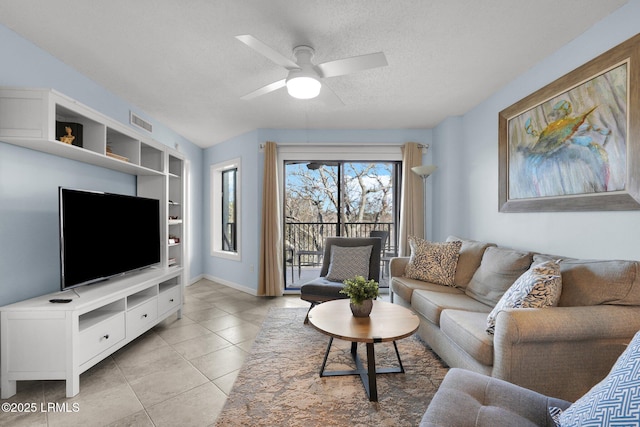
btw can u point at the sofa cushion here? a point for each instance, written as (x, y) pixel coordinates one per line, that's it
(433, 262)
(538, 287)
(593, 282)
(469, 260)
(467, 398)
(348, 262)
(430, 304)
(500, 267)
(467, 330)
(404, 287)
(614, 400)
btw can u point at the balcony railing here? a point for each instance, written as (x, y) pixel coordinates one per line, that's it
(304, 243)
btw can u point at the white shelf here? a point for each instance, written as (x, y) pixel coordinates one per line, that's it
(168, 284)
(28, 119)
(95, 317)
(72, 152)
(141, 297)
(176, 193)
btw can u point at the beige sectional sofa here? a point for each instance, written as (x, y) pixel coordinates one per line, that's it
(559, 351)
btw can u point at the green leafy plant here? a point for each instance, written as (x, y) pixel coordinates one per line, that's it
(359, 289)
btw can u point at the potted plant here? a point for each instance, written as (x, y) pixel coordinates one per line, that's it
(361, 293)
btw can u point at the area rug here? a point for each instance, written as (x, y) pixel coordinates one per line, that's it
(279, 383)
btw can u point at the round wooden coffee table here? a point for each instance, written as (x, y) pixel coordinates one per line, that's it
(387, 322)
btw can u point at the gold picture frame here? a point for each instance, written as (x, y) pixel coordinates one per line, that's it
(574, 145)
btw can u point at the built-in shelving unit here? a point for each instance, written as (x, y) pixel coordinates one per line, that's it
(176, 211)
(28, 118)
(43, 340)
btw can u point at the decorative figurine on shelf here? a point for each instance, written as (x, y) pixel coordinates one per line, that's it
(69, 133)
(68, 138)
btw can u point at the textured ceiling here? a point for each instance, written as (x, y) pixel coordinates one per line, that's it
(180, 63)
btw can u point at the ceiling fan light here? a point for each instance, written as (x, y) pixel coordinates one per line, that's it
(303, 87)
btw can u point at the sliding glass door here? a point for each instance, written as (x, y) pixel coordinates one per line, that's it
(335, 198)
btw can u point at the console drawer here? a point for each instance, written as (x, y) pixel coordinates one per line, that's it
(141, 318)
(100, 337)
(169, 299)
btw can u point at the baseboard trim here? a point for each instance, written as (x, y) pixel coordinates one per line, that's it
(233, 285)
(195, 279)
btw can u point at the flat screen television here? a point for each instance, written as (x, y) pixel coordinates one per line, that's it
(103, 235)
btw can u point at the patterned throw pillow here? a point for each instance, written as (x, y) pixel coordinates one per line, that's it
(538, 287)
(349, 262)
(613, 401)
(433, 262)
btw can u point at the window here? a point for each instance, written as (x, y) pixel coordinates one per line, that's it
(336, 198)
(229, 242)
(225, 209)
(376, 208)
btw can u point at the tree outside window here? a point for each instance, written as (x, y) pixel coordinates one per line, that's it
(337, 198)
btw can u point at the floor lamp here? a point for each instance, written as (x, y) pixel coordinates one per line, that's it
(424, 171)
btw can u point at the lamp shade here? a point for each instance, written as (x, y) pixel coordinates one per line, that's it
(424, 170)
(303, 87)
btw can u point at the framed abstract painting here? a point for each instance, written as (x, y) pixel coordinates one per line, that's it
(574, 145)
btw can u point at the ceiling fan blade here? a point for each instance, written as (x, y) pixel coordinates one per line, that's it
(341, 67)
(329, 97)
(265, 50)
(265, 89)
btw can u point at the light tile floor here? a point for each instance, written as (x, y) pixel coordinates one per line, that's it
(177, 374)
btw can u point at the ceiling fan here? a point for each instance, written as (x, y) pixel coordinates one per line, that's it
(303, 80)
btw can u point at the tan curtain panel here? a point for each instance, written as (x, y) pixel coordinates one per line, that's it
(270, 280)
(411, 204)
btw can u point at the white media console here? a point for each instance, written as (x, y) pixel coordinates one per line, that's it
(41, 340)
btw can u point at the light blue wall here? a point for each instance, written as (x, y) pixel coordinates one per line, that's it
(29, 254)
(231, 272)
(448, 192)
(463, 192)
(239, 274)
(471, 208)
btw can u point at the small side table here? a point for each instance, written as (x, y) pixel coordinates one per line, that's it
(387, 322)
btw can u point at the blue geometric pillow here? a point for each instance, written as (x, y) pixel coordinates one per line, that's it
(614, 401)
